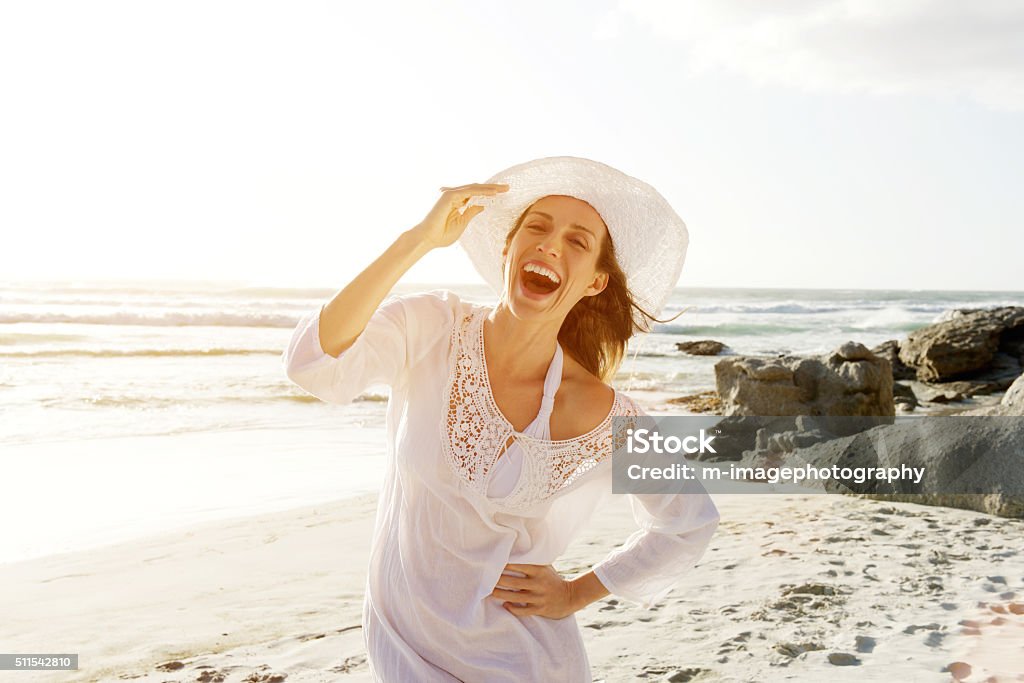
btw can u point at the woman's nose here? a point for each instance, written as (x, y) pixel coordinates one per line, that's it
(548, 246)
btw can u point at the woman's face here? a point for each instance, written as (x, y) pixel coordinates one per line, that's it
(552, 261)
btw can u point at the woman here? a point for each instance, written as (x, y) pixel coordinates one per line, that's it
(499, 424)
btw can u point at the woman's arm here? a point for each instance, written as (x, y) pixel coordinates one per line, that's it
(674, 531)
(345, 317)
(542, 591)
(585, 589)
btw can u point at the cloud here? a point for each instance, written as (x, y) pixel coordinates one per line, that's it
(945, 48)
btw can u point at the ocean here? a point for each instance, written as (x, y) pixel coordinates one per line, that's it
(131, 408)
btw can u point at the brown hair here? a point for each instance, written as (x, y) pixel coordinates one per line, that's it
(598, 328)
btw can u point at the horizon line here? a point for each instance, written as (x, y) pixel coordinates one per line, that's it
(250, 284)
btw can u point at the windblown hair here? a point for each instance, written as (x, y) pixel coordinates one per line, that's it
(598, 328)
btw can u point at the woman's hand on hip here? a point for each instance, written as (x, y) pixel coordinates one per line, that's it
(541, 592)
(448, 219)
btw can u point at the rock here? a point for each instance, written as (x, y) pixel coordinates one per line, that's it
(854, 351)
(973, 463)
(951, 396)
(842, 659)
(965, 343)
(704, 402)
(1013, 400)
(890, 350)
(904, 394)
(804, 431)
(797, 649)
(1006, 366)
(1000, 374)
(776, 405)
(738, 433)
(994, 375)
(850, 381)
(704, 347)
(943, 392)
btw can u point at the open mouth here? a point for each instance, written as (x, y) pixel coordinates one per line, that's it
(538, 279)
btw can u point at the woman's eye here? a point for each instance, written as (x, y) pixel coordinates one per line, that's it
(580, 243)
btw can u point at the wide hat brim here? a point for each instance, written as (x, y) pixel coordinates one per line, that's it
(650, 239)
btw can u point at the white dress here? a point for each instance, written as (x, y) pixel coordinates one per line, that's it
(442, 536)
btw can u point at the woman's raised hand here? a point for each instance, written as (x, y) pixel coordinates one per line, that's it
(447, 220)
(345, 317)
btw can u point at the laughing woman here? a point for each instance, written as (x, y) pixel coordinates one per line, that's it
(499, 423)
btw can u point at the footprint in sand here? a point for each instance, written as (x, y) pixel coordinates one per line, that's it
(599, 625)
(350, 664)
(263, 675)
(691, 675)
(734, 644)
(793, 650)
(865, 644)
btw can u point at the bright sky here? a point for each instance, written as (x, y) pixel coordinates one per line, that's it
(806, 143)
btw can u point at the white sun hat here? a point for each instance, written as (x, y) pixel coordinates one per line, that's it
(650, 239)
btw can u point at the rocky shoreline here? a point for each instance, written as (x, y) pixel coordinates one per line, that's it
(839, 406)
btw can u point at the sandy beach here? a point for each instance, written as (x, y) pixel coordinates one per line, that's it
(211, 522)
(792, 588)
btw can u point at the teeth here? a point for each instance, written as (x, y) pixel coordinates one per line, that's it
(541, 270)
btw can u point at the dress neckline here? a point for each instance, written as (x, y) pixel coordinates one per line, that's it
(481, 317)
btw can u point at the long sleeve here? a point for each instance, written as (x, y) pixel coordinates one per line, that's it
(674, 531)
(397, 335)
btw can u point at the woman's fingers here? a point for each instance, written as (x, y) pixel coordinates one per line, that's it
(470, 212)
(520, 611)
(464, 193)
(528, 569)
(513, 596)
(452, 212)
(514, 582)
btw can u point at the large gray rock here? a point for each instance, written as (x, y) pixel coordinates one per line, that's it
(967, 344)
(975, 463)
(1013, 400)
(849, 381)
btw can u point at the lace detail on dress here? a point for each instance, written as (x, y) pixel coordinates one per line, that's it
(475, 432)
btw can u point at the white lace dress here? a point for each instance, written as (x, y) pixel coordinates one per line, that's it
(442, 539)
